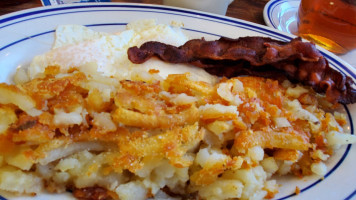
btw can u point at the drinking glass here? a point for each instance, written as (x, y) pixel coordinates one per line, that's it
(329, 23)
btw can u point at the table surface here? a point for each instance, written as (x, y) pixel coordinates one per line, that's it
(250, 10)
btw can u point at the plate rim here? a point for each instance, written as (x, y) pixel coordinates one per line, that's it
(39, 10)
(12, 16)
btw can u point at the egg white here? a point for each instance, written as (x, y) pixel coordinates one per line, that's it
(77, 45)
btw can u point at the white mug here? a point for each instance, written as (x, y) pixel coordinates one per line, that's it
(213, 6)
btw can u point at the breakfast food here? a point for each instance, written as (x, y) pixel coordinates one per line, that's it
(102, 127)
(297, 60)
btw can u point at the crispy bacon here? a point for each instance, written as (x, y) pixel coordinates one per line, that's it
(258, 56)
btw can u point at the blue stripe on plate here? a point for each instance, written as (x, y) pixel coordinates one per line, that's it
(352, 129)
(197, 31)
(107, 24)
(271, 8)
(227, 21)
(236, 22)
(239, 25)
(270, 11)
(351, 195)
(24, 39)
(52, 31)
(335, 167)
(57, 2)
(198, 15)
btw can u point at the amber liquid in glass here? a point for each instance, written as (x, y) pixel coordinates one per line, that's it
(329, 23)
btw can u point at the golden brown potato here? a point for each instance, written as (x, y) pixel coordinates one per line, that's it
(271, 139)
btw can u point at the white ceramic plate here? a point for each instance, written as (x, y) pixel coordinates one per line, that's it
(28, 33)
(282, 15)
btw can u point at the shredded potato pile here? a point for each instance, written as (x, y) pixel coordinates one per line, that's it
(176, 138)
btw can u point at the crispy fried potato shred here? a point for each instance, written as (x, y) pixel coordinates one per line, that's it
(136, 123)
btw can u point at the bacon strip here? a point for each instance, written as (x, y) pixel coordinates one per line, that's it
(259, 56)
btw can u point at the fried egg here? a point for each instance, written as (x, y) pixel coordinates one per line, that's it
(77, 45)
